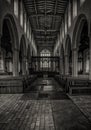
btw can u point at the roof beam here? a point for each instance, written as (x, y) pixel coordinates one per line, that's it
(40, 30)
(43, 15)
(47, 37)
(45, 44)
(44, 41)
(36, 12)
(55, 12)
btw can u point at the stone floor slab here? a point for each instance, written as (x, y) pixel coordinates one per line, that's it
(30, 112)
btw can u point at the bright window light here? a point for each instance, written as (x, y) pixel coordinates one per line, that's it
(82, 1)
(74, 8)
(16, 7)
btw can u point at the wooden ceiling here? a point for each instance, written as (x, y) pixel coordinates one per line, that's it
(45, 18)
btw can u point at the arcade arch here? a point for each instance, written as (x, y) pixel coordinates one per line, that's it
(9, 47)
(81, 47)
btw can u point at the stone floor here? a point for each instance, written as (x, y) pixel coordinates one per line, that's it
(45, 107)
(83, 102)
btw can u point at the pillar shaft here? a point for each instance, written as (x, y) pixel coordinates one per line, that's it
(66, 65)
(61, 66)
(24, 65)
(74, 63)
(90, 58)
(2, 65)
(15, 62)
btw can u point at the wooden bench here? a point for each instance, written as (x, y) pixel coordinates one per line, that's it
(78, 86)
(11, 85)
(74, 85)
(62, 80)
(28, 81)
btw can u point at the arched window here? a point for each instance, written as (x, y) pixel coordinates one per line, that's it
(45, 61)
(27, 28)
(45, 52)
(21, 13)
(63, 31)
(82, 1)
(16, 8)
(9, 1)
(25, 22)
(74, 8)
(66, 25)
(69, 14)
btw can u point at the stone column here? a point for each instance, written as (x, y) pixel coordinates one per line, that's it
(51, 64)
(15, 62)
(61, 65)
(24, 65)
(27, 66)
(2, 66)
(66, 65)
(75, 63)
(90, 57)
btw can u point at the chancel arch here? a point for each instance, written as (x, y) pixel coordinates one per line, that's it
(9, 47)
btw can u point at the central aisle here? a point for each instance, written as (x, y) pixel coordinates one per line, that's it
(45, 107)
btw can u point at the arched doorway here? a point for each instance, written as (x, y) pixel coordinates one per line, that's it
(9, 47)
(81, 47)
(68, 57)
(22, 56)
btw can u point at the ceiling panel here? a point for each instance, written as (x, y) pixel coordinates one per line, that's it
(45, 18)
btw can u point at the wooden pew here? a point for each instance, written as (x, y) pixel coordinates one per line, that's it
(11, 85)
(78, 86)
(62, 80)
(28, 81)
(74, 85)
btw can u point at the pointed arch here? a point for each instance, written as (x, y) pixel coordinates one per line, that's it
(80, 45)
(10, 45)
(77, 29)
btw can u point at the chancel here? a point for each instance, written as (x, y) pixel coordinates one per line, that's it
(45, 64)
